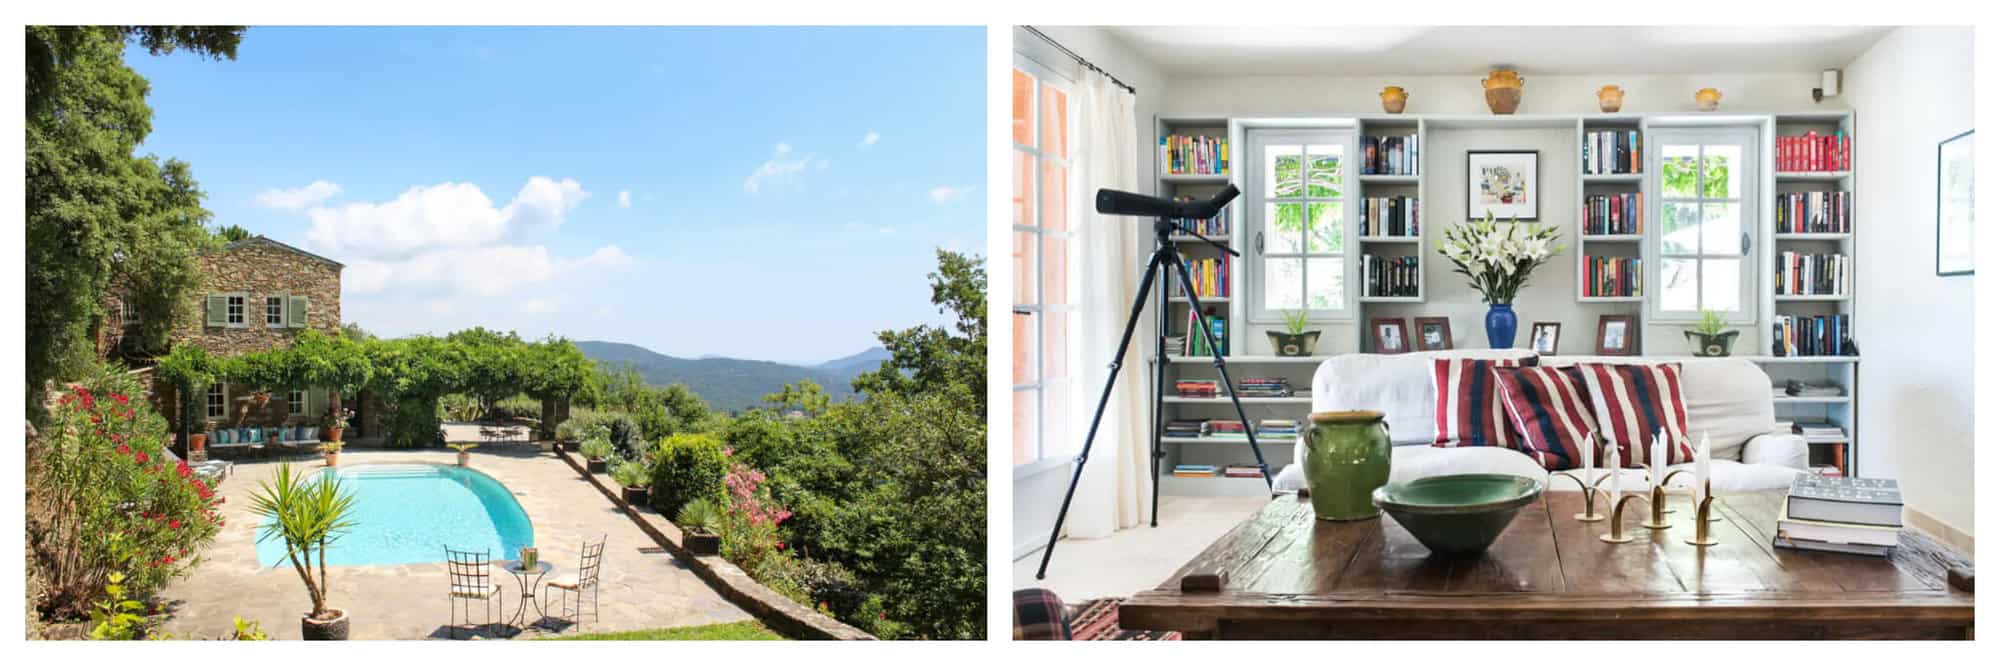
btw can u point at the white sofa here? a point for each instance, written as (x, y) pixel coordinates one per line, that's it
(1728, 399)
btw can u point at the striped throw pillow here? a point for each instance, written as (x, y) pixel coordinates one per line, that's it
(1468, 408)
(1551, 410)
(1634, 401)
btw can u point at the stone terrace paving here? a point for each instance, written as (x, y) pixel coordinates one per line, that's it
(641, 590)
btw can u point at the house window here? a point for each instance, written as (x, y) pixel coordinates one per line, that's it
(218, 402)
(295, 402)
(274, 311)
(1044, 308)
(237, 306)
(1298, 212)
(1706, 232)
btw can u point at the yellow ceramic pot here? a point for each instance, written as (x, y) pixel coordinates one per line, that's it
(1394, 98)
(1707, 99)
(1610, 99)
(1503, 90)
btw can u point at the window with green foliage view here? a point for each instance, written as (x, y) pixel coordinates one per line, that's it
(1298, 215)
(1707, 222)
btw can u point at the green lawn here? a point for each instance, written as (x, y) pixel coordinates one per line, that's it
(747, 630)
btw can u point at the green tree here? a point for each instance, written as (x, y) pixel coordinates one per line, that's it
(927, 359)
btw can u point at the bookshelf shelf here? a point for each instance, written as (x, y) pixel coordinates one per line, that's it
(1814, 400)
(1804, 360)
(1205, 300)
(1389, 179)
(1810, 176)
(1196, 178)
(1788, 179)
(1392, 299)
(1613, 177)
(1214, 486)
(1391, 239)
(1248, 359)
(1261, 440)
(1612, 238)
(1224, 400)
(1795, 298)
(1814, 237)
(1610, 299)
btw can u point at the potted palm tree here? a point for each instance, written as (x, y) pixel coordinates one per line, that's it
(700, 521)
(1296, 340)
(308, 515)
(464, 452)
(596, 448)
(632, 476)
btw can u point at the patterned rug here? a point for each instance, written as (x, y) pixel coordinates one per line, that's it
(1097, 620)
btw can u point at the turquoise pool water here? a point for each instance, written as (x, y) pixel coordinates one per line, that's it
(408, 513)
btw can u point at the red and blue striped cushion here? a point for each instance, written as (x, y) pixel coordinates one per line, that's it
(1551, 410)
(1634, 401)
(1468, 408)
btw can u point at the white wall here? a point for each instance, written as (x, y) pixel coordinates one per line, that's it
(1912, 90)
(1038, 494)
(1278, 95)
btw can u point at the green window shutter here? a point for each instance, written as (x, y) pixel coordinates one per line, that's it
(296, 314)
(218, 310)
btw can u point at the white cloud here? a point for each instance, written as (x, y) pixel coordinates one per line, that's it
(299, 198)
(868, 140)
(779, 169)
(624, 198)
(944, 194)
(481, 272)
(445, 215)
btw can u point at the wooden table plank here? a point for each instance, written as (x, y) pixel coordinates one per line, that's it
(1310, 554)
(1244, 541)
(1591, 566)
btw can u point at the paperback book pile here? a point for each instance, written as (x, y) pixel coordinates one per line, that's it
(1194, 155)
(1814, 274)
(1211, 227)
(1227, 429)
(1389, 216)
(1818, 335)
(1390, 276)
(1815, 213)
(1198, 471)
(1210, 278)
(1243, 471)
(1841, 515)
(1197, 388)
(1815, 152)
(1804, 390)
(1193, 343)
(1264, 387)
(1613, 214)
(1819, 432)
(1278, 429)
(1389, 155)
(1187, 427)
(1610, 276)
(1611, 151)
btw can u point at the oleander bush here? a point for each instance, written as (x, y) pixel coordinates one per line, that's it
(686, 467)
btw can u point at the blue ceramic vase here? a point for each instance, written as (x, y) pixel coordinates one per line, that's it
(1500, 326)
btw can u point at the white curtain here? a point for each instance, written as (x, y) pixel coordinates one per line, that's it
(1117, 480)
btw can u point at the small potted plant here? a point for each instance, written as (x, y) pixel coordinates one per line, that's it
(198, 440)
(1711, 336)
(336, 422)
(596, 448)
(1296, 340)
(308, 515)
(332, 452)
(464, 450)
(632, 476)
(699, 521)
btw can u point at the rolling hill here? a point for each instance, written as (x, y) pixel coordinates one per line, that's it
(732, 384)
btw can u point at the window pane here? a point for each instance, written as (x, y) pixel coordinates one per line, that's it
(1024, 189)
(1024, 108)
(1056, 437)
(1024, 348)
(1677, 285)
(1281, 171)
(1055, 350)
(1024, 267)
(1681, 231)
(1677, 173)
(1055, 270)
(1055, 196)
(1722, 171)
(1055, 122)
(1025, 431)
(1324, 233)
(1283, 284)
(1721, 229)
(1326, 287)
(1323, 174)
(1722, 284)
(1283, 228)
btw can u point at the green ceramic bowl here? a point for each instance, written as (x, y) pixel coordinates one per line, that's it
(1457, 515)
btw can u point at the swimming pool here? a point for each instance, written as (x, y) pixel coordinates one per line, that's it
(408, 513)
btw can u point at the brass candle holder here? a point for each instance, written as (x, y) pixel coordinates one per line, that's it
(1658, 519)
(1707, 491)
(1701, 538)
(1590, 491)
(1618, 534)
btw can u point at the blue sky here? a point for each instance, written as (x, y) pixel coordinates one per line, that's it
(770, 193)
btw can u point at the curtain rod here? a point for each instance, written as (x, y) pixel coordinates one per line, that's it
(1080, 60)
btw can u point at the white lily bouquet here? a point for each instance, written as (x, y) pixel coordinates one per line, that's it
(1496, 258)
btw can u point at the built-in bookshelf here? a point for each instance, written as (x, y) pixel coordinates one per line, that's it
(1611, 215)
(1391, 221)
(1810, 278)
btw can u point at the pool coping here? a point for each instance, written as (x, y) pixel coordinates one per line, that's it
(777, 611)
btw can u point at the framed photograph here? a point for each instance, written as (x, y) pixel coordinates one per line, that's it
(1546, 336)
(1389, 334)
(1433, 333)
(1954, 205)
(1617, 335)
(1504, 183)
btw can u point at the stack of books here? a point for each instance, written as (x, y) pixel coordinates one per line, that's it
(1815, 213)
(1841, 515)
(1210, 278)
(1815, 152)
(1197, 388)
(1227, 429)
(1263, 387)
(1819, 432)
(1243, 471)
(1187, 427)
(1189, 155)
(1389, 155)
(1278, 429)
(1611, 276)
(1196, 471)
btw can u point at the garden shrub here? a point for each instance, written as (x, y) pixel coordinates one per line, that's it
(686, 467)
(459, 407)
(412, 422)
(104, 498)
(825, 586)
(625, 435)
(516, 407)
(750, 536)
(655, 422)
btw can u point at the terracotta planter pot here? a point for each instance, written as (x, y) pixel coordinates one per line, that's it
(1394, 98)
(1707, 99)
(465, 459)
(333, 434)
(333, 459)
(634, 495)
(702, 544)
(1503, 90)
(1610, 99)
(594, 466)
(198, 442)
(328, 630)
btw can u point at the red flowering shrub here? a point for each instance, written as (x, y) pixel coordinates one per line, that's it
(104, 497)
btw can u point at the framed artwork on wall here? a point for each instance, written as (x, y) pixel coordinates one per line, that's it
(1389, 334)
(1954, 205)
(1547, 336)
(1433, 333)
(1505, 183)
(1617, 335)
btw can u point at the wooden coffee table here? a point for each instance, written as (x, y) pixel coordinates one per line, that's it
(1286, 575)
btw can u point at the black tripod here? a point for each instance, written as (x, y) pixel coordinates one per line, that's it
(1166, 258)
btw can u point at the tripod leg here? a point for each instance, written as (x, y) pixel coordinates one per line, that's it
(1111, 378)
(1180, 271)
(1159, 378)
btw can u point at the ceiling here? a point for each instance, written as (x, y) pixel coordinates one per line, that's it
(1548, 50)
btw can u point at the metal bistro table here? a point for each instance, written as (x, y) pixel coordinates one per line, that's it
(529, 578)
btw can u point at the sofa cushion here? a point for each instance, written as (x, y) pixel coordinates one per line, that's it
(1398, 385)
(225, 436)
(1632, 402)
(1728, 399)
(1551, 412)
(1468, 406)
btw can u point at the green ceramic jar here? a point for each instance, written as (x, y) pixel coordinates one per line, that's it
(1347, 458)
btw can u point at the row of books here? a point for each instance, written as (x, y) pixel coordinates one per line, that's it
(1613, 214)
(1234, 471)
(1390, 216)
(1186, 428)
(1263, 387)
(1211, 227)
(1816, 152)
(1389, 155)
(1841, 515)
(1612, 151)
(1210, 278)
(1815, 213)
(1611, 276)
(1390, 276)
(1194, 155)
(1275, 429)
(1814, 274)
(1816, 335)
(1197, 388)
(1194, 343)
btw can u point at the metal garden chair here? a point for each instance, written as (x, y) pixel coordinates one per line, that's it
(472, 580)
(572, 590)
